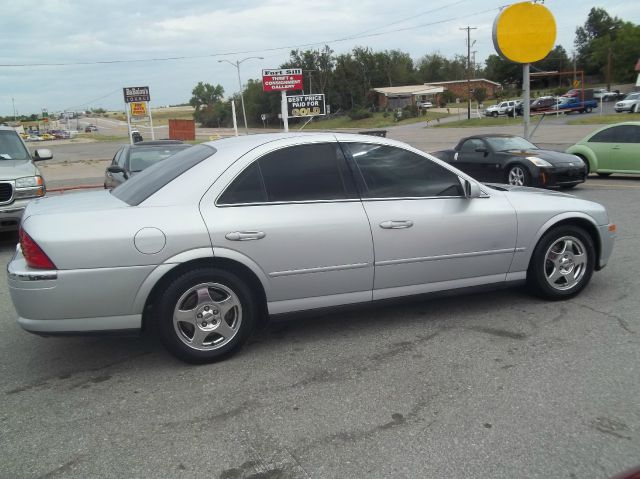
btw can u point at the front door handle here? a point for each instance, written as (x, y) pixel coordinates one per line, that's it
(396, 224)
(245, 235)
(615, 147)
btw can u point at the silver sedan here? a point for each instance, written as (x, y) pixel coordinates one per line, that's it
(218, 237)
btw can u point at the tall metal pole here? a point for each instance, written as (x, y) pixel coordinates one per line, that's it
(244, 112)
(468, 29)
(526, 87)
(13, 102)
(237, 65)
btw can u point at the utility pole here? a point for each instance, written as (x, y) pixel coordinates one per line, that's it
(468, 29)
(609, 68)
(13, 102)
(574, 67)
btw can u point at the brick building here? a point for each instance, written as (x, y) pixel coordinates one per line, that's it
(459, 87)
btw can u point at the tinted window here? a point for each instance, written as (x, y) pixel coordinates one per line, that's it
(246, 188)
(628, 134)
(390, 172)
(143, 157)
(11, 146)
(142, 186)
(306, 172)
(507, 143)
(470, 146)
(610, 135)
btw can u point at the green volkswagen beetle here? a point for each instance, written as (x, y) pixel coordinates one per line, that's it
(612, 149)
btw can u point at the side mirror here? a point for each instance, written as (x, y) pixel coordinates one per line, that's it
(471, 189)
(42, 154)
(117, 169)
(482, 149)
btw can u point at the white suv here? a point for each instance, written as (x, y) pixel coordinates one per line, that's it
(502, 108)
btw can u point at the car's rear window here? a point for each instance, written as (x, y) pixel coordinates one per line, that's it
(142, 158)
(140, 187)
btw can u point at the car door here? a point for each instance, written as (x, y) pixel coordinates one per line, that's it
(625, 153)
(295, 213)
(477, 164)
(428, 236)
(603, 143)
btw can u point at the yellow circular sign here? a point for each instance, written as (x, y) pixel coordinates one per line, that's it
(524, 32)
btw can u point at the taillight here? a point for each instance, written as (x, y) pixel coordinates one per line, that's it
(33, 254)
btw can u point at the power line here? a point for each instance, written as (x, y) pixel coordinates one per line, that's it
(244, 52)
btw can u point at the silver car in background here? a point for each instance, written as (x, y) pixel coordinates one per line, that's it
(206, 243)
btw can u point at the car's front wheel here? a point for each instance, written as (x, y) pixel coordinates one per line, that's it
(206, 315)
(494, 114)
(562, 262)
(518, 175)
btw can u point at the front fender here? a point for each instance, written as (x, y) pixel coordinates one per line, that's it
(524, 253)
(586, 153)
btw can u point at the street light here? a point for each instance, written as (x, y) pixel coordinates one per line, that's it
(237, 66)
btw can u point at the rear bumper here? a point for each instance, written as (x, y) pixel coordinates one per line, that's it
(75, 301)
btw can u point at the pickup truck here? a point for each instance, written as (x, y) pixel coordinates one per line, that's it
(569, 104)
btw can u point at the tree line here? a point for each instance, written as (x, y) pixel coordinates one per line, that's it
(606, 48)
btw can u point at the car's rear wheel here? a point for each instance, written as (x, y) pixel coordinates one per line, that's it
(588, 109)
(518, 175)
(206, 315)
(562, 262)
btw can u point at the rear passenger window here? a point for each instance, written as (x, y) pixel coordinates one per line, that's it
(298, 173)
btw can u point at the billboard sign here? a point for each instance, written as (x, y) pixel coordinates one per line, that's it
(136, 94)
(305, 105)
(139, 109)
(282, 80)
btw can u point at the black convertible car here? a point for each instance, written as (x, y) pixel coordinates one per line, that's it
(514, 160)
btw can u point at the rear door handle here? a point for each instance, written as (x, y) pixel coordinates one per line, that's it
(245, 235)
(396, 224)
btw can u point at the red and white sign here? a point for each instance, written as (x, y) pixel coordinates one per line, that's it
(282, 80)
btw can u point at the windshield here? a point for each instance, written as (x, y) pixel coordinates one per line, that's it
(141, 158)
(140, 187)
(504, 143)
(633, 96)
(11, 146)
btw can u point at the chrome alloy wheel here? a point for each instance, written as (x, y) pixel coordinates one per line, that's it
(207, 316)
(516, 176)
(565, 263)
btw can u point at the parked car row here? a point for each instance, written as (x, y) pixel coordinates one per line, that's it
(48, 135)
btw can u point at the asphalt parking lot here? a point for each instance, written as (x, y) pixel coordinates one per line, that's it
(496, 384)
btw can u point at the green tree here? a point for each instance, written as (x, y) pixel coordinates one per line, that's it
(599, 25)
(480, 94)
(204, 95)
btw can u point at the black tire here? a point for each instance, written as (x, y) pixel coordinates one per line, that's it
(604, 175)
(494, 114)
(511, 171)
(212, 280)
(568, 187)
(540, 275)
(589, 109)
(586, 162)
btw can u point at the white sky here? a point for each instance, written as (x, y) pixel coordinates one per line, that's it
(68, 31)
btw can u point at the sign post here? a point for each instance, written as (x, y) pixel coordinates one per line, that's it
(233, 115)
(524, 46)
(136, 101)
(282, 80)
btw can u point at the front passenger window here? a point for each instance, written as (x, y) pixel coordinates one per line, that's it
(390, 172)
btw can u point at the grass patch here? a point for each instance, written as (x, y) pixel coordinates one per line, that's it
(96, 137)
(376, 121)
(596, 119)
(475, 122)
